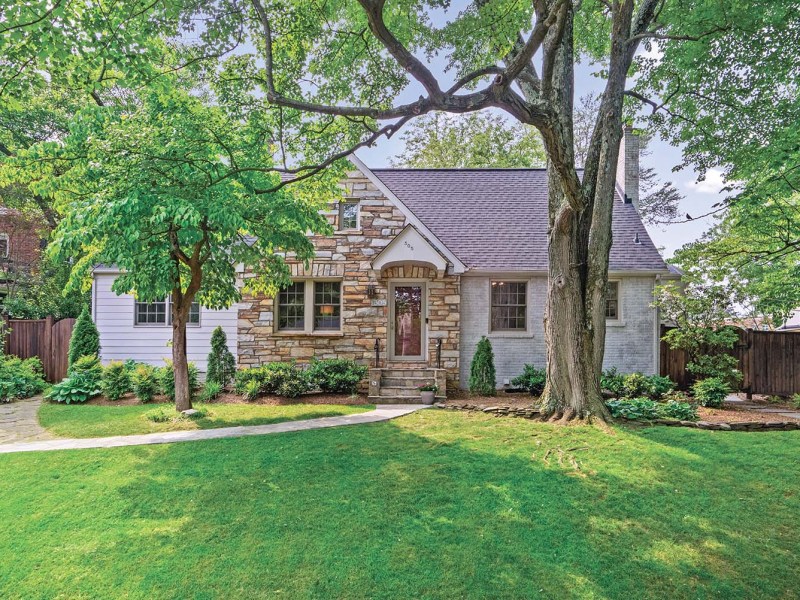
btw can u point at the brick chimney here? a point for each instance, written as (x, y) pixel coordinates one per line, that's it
(628, 166)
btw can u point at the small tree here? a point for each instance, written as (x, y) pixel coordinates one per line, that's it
(698, 312)
(221, 364)
(177, 194)
(85, 340)
(482, 378)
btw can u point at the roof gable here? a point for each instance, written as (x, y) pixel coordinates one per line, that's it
(496, 219)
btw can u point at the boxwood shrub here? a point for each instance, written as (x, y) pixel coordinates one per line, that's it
(336, 375)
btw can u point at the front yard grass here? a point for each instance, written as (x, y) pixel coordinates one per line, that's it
(84, 421)
(438, 504)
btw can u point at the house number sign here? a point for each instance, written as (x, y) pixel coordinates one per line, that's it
(408, 245)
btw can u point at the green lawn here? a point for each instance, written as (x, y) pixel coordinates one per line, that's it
(87, 420)
(434, 505)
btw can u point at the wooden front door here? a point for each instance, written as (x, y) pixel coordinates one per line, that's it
(407, 332)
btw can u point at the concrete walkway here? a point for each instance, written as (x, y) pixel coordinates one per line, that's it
(19, 423)
(779, 412)
(382, 412)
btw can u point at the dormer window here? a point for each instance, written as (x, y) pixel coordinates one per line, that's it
(348, 215)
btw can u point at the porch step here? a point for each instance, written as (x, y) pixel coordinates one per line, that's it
(404, 381)
(405, 373)
(399, 392)
(394, 399)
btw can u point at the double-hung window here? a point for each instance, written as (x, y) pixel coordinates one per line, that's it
(310, 306)
(5, 245)
(348, 215)
(160, 313)
(509, 306)
(612, 301)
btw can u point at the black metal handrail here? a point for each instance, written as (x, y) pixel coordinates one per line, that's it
(377, 353)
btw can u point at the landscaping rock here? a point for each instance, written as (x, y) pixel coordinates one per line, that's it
(191, 412)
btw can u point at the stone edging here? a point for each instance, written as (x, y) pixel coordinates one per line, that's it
(533, 413)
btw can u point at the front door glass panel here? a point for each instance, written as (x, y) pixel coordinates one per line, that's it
(408, 320)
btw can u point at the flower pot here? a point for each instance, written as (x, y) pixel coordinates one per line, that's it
(427, 397)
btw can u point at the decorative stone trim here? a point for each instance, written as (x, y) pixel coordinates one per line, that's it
(533, 413)
(408, 272)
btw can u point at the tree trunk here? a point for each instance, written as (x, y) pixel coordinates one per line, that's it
(180, 362)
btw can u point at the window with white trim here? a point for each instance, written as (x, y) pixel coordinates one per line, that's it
(612, 301)
(160, 313)
(5, 246)
(509, 306)
(310, 306)
(348, 215)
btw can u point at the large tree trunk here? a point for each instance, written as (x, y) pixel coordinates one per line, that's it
(180, 362)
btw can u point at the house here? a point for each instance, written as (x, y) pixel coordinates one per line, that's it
(421, 264)
(21, 243)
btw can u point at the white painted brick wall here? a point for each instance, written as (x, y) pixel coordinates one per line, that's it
(629, 343)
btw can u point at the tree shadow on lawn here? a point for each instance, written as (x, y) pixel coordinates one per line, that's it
(432, 505)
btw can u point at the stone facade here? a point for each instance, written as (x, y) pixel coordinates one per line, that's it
(347, 256)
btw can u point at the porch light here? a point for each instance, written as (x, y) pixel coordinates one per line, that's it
(327, 309)
(372, 291)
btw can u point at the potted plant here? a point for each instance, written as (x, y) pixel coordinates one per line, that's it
(427, 392)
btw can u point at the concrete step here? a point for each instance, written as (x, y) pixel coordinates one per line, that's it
(395, 399)
(406, 381)
(399, 392)
(407, 373)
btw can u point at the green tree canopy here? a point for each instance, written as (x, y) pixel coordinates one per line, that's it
(477, 140)
(176, 194)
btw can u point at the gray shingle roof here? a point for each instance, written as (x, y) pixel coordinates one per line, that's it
(496, 219)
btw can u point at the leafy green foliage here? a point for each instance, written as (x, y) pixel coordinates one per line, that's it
(116, 380)
(612, 381)
(532, 379)
(161, 415)
(221, 363)
(88, 365)
(482, 377)
(283, 379)
(476, 140)
(43, 292)
(637, 409)
(646, 409)
(20, 378)
(652, 386)
(77, 388)
(336, 375)
(683, 411)
(711, 392)
(166, 379)
(211, 390)
(145, 382)
(699, 312)
(250, 389)
(85, 340)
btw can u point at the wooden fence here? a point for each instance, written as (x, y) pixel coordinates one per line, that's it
(769, 361)
(46, 338)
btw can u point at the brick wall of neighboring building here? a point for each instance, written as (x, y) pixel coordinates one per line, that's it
(24, 237)
(347, 256)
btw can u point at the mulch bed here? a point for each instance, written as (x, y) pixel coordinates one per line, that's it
(731, 417)
(231, 398)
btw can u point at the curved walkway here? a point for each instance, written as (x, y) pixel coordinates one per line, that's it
(382, 412)
(19, 423)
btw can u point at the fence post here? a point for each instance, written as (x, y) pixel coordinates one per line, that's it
(749, 370)
(47, 350)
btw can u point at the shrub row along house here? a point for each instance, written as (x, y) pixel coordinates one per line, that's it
(421, 265)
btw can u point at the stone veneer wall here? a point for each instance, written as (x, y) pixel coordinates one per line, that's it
(348, 255)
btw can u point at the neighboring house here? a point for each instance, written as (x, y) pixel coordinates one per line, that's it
(792, 323)
(21, 244)
(422, 263)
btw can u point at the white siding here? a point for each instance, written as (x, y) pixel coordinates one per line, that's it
(630, 343)
(120, 339)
